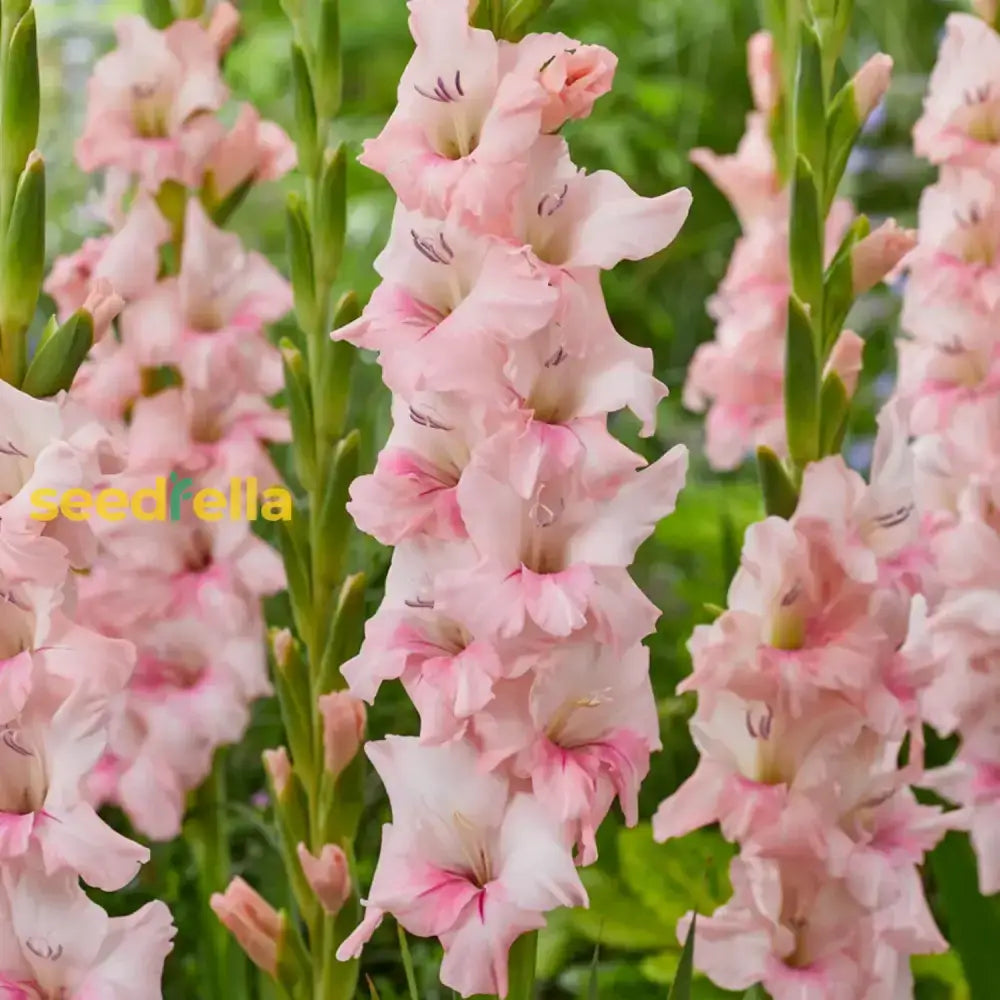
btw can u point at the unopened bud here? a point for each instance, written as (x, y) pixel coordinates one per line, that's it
(846, 359)
(254, 923)
(279, 769)
(870, 84)
(988, 10)
(104, 304)
(878, 254)
(281, 646)
(328, 876)
(762, 69)
(343, 729)
(223, 27)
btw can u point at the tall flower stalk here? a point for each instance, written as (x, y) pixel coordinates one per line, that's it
(509, 613)
(316, 782)
(60, 680)
(807, 689)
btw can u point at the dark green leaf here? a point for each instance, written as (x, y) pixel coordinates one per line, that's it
(56, 361)
(801, 386)
(806, 237)
(159, 13)
(810, 103)
(20, 96)
(835, 405)
(780, 495)
(681, 988)
(300, 255)
(973, 920)
(306, 134)
(328, 61)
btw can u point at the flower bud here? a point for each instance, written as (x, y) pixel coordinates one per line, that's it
(223, 27)
(281, 646)
(279, 769)
(575, 79)
(988, 10)
(846, 359)
(252, 921)
(870, 84)
(343, 729)
(877, 255)
(762, 68)
(328, 876)
(104, 304)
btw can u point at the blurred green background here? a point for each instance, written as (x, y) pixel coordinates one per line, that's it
(681, 83)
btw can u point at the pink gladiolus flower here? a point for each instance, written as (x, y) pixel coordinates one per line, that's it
(463, 860)
(252, 150)
(150, 103)
(55, 942)
(961, 120)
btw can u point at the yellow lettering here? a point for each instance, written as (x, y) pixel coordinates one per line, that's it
(45, 503)
(277, 504)
(112, 505)
(158, 494)
(76, 505)
(209, 505)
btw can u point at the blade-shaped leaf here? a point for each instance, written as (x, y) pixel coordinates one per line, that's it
(973, 919)
(681, 988)
(801, 386)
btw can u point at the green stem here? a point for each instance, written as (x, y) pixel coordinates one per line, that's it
(521, 967)
(207, 835)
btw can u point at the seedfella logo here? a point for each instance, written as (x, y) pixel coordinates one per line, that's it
(167, 500)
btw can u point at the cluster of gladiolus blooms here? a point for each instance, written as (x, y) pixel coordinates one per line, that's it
(183, 385)
(807, 688)
(509, 614)
(59, 684)
(738, 377)
(817, 674)
(949, 380)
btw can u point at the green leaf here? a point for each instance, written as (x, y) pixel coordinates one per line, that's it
(780, 495)
(681, 988)
(20, 96)
(221, 211)
(617, 920)
(159, 13)
(843, 126)
(670, 879)
(334, 524)
(404, 951)
(835, 406)
(838, 285)
(810, 102)
(801, 386)
(23, 264)
(806, 238)
(306, 134)
(329, 83)
(331, 214)
(57, 359)
(519, 15)
(346, 631)
(592, 982)
(521, 967)
(973, 920)
(300, 255)
(371, 988)
(300, 413)
(755, 993)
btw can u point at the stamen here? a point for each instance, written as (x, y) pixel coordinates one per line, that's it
(557, 202)
(9, 739)
(557, 359)
(419, 602)
(423, 420)
(9, 448)
(895, 517)
(42, 949)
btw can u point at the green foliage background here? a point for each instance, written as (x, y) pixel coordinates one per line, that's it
(681, 84)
